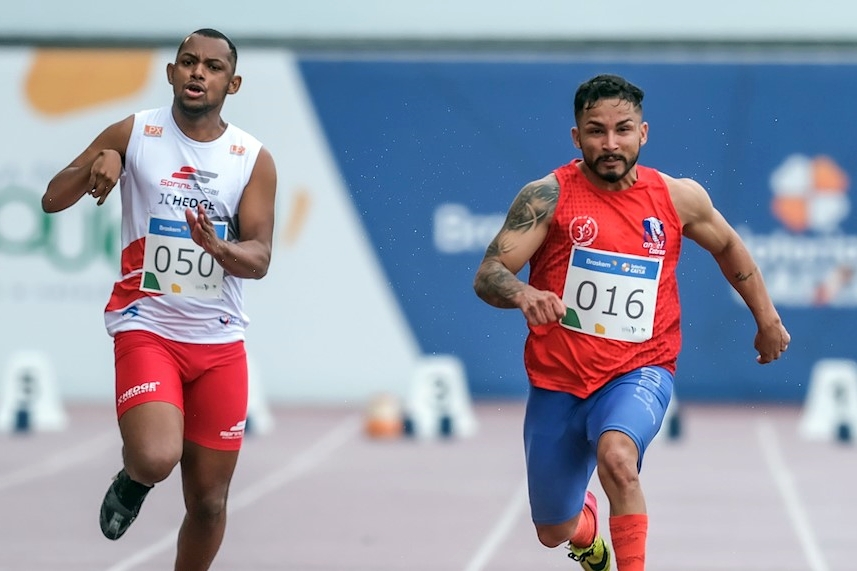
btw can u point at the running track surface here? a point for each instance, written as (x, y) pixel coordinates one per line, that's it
(739, 490)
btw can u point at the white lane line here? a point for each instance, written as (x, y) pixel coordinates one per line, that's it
(304, 462)
(512, 512)
(786, 485)
(60, 461)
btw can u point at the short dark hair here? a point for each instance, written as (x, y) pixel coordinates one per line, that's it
(606, 86)
(212, 33)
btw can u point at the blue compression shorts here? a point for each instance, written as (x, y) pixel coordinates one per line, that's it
(561, 434)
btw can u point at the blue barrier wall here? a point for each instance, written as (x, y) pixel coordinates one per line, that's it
(433, 152)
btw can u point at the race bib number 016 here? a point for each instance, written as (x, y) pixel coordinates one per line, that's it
(611, 295)
(174, 264)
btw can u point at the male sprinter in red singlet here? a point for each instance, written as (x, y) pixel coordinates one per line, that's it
(197, 218)
(602, 236)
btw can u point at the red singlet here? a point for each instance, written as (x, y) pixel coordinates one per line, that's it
(639, 222)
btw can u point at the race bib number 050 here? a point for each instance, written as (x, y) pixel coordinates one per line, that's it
(174, 264)
(611, 295)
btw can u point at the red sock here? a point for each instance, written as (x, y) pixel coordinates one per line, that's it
(628, 536)
(584, 535)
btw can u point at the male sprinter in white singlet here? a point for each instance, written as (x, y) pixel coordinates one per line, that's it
(197, 219)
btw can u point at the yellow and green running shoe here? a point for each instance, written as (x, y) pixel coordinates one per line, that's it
(596, 557)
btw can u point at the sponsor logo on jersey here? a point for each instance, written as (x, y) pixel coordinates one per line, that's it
(654, 237)
(583, 230)
(153, 130)
(227, 319)
(191, 173)
(196, 179)
(133, 311)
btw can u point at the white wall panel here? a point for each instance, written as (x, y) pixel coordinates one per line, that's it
(444, 19)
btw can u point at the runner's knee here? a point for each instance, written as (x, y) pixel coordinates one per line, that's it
(208, 505)
(555, 535)
(617, 462)
(151, 465)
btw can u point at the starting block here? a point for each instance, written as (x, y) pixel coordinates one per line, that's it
(830, 408)
(439, 403)
(29, 399)
(260, 420)
(671, 427)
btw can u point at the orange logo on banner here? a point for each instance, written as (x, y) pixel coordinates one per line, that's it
(298, 215)
(64, 80)
(810, 193)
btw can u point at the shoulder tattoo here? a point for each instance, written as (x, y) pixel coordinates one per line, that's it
(533, 205)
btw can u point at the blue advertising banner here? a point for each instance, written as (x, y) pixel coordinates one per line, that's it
(433, 152)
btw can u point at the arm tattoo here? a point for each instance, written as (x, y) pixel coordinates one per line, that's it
(496, 284)
(742, 277)
(533, 206)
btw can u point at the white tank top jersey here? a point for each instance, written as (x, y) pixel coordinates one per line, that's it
(166, 172)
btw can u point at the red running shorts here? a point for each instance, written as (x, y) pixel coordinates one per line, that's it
(207, 382)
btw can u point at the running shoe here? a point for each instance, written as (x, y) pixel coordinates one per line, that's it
(116, 517)
(595, 557)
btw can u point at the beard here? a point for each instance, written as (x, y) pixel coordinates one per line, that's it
(194, 110)
(612, 175)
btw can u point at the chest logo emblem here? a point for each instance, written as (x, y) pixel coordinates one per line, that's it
(583, 230)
